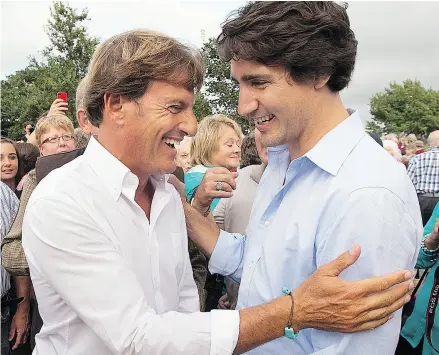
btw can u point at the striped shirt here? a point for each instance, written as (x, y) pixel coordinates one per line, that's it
(9, 207)
(423, 170)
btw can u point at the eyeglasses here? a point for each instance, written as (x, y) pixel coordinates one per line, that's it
(55, 140)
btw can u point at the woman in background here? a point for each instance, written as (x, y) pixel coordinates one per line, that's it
(216, 144)
(11, 170)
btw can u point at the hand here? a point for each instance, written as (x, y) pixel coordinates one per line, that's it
(432, 242)
(58, 107)
(207, 191)
(223, 302)
(19, 327)
(325, 301)
(435, 232)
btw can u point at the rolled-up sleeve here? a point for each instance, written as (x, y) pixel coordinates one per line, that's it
(228, 256)
(84, 267)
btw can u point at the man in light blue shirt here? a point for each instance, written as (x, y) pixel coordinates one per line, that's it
(327, 185)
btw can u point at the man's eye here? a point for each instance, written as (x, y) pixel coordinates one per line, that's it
(259, 83)
(175, 108)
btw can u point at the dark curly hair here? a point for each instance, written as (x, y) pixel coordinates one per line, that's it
(310, 39)
(249, 152)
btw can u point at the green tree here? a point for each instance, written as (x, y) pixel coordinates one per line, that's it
(201, 107)
(220, 91)
(28, 93)
(406, 108)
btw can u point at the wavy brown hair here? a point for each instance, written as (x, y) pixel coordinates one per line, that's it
(127, 63)
(310, 39)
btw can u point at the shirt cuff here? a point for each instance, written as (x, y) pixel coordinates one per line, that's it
(218, 259)
(224, 331)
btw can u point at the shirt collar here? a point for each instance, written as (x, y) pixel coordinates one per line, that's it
(114, 174)
(110, 170)
(332, 150)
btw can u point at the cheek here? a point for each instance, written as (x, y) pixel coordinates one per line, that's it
(49, 150)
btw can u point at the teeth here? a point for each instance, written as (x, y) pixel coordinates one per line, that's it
(263, 119)
(172, 142)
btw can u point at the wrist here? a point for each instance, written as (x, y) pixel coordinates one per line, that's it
(298, 315)
(204, 210)
(432, 243)
(23, 307)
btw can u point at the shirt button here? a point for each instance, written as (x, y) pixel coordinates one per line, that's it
(267, 223)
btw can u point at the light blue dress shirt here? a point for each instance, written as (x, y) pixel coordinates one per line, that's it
(347, 189)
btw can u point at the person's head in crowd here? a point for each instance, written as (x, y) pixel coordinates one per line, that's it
(433, 139)
(392, 148)
(419, 147)
(412, 138)
(217, 143)
(376, 138)
(10, 163)
(287, 55)
(410, 149)
(140, 92)
(262, 150)
(249, 151)
(403, 140)
(81, 116)
(28, 155)
(392, 137)
(183, 157)
(28, 128)
(54, 134)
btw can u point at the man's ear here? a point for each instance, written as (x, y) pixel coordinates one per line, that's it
(83, 121)
(321, 82)
(114, 108)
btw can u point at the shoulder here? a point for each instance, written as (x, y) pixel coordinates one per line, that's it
(7, 196)
(370, 166)
(70, 179)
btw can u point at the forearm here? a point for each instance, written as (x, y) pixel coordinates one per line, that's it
(202, 231)
(23, 286)
(261, 324)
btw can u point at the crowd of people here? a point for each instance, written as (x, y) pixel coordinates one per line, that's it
(145, 232)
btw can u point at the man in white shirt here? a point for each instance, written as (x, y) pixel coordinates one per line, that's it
(105, 235)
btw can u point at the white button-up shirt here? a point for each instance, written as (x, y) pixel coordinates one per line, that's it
(107, 279)
(345, 190)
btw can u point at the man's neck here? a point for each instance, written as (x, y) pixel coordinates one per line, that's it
(116, 146)
(323, 121)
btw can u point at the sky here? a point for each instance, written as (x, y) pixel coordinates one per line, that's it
(396, 40)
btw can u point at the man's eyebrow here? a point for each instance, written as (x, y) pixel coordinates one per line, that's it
(176, 101)
(250, 77)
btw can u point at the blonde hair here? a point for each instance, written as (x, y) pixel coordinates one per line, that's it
(127, 63)
(206, 140)
(45, 123)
